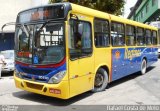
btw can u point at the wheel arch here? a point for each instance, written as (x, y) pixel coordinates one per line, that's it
(106, 68)
(145, 59)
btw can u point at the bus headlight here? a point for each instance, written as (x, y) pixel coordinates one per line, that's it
(57, 77)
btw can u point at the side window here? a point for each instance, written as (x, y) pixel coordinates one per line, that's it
(154, 38)
(148, 37)
(101, 33)
(158, 36)
(117, 34)
(130, 35)
(140, 36)
(80, 39)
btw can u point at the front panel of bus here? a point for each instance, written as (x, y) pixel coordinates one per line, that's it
(40, 51)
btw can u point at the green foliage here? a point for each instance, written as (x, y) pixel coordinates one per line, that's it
(109, 6)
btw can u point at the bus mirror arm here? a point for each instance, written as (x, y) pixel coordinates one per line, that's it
(2, 30)
(3, 34)
(7, 24)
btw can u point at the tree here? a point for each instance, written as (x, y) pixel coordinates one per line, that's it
(109, 6)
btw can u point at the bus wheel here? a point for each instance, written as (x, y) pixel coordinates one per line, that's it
(143, 66)
(101, 80)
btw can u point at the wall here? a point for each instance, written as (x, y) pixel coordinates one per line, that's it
(10, 8)
(8, 13)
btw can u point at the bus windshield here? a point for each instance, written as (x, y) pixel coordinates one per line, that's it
(40, 44)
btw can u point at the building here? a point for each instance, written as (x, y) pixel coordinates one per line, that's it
(8, 12)
(127, 6)
(145, 11)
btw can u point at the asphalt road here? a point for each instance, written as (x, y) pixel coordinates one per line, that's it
(135, 89)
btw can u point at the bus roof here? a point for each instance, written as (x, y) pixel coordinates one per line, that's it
(48, 5)
(95, 13)
(88, 11)
(100, 14)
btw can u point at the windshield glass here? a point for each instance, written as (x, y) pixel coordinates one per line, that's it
(24, 35)
(48, 43)
(45, 47)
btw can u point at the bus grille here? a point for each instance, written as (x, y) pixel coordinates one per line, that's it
(34, 86)
(35, 71)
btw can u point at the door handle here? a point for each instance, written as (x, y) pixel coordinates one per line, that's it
(88, 73)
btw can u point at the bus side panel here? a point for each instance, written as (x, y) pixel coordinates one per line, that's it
(155, 54)
(119, 63)
(127, 61)
(103, 58)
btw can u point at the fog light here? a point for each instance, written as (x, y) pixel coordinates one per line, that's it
(45, 89)
(22, 84)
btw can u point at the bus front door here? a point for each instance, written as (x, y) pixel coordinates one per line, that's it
(81, 75)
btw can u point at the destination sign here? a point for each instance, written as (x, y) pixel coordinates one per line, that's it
(42, 13)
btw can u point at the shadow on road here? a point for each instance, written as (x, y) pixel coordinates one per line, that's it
(49, 100)
(129, 77)
(6, 74)
(58, 102)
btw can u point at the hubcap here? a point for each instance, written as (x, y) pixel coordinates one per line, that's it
(143, 67)
(99, 80)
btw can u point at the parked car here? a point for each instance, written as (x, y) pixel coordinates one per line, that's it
(9, 59)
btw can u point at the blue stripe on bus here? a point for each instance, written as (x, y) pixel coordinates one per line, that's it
(126, 61)
(41, 75)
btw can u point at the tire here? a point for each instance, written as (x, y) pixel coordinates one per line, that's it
(143, 66)
(101, 80)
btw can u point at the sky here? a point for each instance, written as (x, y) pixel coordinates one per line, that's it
(128, 5)
(40, 2)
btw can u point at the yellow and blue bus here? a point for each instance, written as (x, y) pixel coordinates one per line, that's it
(64, 49)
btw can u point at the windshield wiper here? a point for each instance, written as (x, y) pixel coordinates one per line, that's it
(44, 24)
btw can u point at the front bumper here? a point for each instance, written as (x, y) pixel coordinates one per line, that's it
(60, 90)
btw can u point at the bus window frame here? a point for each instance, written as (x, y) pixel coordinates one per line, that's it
(158, 36)
(135, 35)
(123, 24)
(155, 37)
(143, 29)
(109, 31)
(146, 37)
(79, 56)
